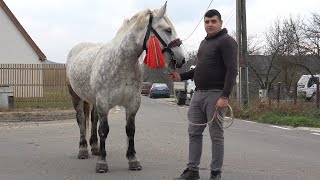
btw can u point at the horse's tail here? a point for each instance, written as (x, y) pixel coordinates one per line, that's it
(86, 109)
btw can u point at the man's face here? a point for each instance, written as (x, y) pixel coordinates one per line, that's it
(212, 25)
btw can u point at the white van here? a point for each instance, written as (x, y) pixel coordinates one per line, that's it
(190, 85)
(307, 86)
(184, 90)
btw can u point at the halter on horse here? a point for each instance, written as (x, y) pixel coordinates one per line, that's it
(167, 48)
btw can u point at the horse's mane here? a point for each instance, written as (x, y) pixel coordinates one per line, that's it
(140, 20)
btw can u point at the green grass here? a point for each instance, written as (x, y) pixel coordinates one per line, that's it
(42, 103)
(303, 114)
(286, 120)
(53, 97)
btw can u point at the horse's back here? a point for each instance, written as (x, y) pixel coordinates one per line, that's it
(89, 50)
(79, 67)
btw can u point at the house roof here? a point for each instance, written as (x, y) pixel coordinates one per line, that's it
(6, 9)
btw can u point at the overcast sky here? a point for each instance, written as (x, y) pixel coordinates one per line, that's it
(57, 25)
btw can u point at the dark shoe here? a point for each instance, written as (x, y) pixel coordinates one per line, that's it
(215, 175)
(189, 175)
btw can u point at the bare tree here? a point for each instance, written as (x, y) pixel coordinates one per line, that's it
(284, 51)
(191, 58)
(290, 47)
(293, 53)
(272, 50)
(255, 46)
(312, 35)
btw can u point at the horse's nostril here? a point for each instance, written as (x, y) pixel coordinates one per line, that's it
(183, 61)
(179, 65)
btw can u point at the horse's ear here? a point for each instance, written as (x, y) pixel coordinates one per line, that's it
(162, 11)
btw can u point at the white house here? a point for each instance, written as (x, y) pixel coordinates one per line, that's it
(16, 46)
(21, 60)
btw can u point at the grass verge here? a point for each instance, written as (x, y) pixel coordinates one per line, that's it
(303, 114)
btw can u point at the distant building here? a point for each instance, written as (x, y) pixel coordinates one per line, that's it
(21, 60)
(16, 46)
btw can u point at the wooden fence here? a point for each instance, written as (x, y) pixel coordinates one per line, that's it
(36, 85)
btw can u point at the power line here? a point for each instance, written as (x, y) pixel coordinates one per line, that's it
(198, 23)
(233, 12)
(230, 13)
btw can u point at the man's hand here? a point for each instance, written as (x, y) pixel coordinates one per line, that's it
(222, 103)
(174, 76)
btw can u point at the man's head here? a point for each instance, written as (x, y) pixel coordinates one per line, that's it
(212, 22)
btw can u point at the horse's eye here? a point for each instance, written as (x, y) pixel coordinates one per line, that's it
(169, 31)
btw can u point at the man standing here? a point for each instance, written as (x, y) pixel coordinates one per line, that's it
(214, 77)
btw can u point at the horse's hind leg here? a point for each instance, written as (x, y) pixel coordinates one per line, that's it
(102, 166)
(94, 139)
(78, 105)
(131, 111)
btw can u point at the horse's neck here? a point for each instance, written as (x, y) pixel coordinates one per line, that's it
(129, 47)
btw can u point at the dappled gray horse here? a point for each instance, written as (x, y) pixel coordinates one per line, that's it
(106, 75)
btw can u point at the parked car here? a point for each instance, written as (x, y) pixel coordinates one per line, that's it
(159, 90)
(146, 87)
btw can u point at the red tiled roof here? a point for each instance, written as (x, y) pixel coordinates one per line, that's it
(6, 9)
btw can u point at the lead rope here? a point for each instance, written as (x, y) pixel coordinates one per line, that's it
(220, 120)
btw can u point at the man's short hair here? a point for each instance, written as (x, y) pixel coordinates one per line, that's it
(213, 12)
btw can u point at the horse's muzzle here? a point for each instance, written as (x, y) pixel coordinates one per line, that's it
(179, 65)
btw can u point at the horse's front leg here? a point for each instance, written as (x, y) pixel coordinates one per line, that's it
(94, 139)
(102, 166)
(134, 163)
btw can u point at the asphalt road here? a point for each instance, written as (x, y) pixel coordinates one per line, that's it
(253, 151)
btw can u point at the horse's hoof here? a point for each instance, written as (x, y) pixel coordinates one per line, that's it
(135, 166)
(95, 151)
(102, 167)
(83, 154)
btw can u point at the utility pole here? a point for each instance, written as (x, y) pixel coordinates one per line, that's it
(242, 84)
(238, 34)
(245, 52)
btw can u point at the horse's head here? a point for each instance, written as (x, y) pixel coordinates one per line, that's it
(160, 26)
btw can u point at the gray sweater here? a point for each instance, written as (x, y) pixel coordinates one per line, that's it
(217, 64)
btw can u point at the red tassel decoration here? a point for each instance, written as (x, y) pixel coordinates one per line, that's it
(154, 58)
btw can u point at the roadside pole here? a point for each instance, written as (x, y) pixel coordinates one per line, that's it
(242, 63)
(318, 95)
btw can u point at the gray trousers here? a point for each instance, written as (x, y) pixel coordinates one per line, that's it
(201, 110)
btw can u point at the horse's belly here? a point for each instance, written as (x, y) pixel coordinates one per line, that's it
(79, 80)
(83, 90)
(123, 96)
(84, 93)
